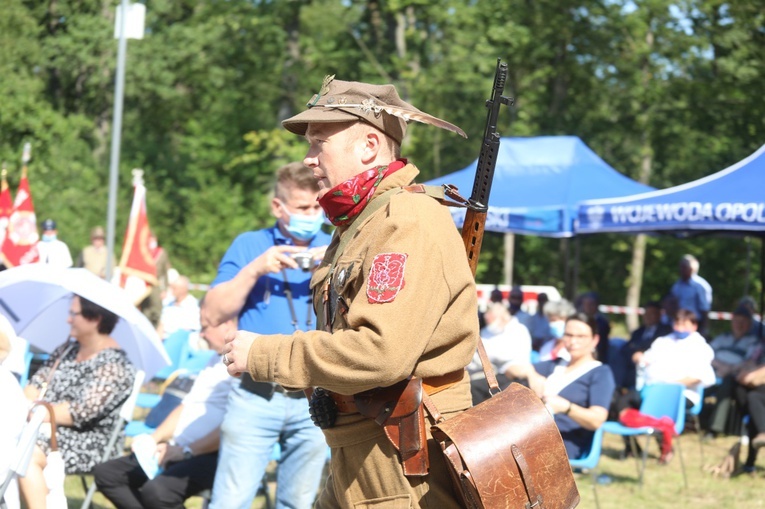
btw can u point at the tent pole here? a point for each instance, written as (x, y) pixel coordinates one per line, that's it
(509, 257)
(577, 249)
(564, 247)
(762, 281)
(748, 241)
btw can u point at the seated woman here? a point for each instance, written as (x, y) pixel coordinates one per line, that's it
(86, 381)
(577, 391)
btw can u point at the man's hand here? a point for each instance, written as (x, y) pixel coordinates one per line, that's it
(236, 351)
(273, 260)
(168, 453)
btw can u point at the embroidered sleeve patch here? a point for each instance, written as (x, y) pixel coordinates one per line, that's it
(386, 277)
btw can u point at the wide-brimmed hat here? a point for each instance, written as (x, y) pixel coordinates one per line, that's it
(378, 105)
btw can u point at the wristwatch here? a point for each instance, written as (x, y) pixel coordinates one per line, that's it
(187, 452)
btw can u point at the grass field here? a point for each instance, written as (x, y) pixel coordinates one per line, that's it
(662, 488)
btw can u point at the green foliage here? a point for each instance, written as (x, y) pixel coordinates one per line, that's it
(676, 84)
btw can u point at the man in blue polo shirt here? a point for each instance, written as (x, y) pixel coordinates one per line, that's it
(691, 294)
(264, 280)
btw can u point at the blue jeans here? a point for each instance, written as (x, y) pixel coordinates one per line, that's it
(250, 429)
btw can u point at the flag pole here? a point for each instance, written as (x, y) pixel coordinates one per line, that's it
(119, 90)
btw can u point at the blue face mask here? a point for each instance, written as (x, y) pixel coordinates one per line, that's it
(681, 334)
(49, 237)
(557, 328)
(304, 227)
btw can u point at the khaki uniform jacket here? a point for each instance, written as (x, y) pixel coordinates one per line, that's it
(429, 327)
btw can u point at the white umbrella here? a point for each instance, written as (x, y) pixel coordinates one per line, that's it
(35, 298)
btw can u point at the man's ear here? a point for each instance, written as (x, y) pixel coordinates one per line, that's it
(372, 145)
(276, 208)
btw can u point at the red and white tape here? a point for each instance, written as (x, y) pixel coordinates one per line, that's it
(624, 310)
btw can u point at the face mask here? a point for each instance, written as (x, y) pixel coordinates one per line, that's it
(49, 237)
(557, 328)
(495, 328)
(681, 334)
(303, 227)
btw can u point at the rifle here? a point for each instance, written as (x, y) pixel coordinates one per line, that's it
(478, 204)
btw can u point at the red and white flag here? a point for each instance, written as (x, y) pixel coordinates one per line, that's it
(20, 243)
(137, 267)
(6, 206)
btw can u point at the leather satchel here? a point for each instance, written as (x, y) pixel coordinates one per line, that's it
(506, 452)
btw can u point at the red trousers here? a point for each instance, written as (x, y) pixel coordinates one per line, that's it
(632, 418)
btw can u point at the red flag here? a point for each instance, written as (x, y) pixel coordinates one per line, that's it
(137, 263)
(6, 207)
(20, 243)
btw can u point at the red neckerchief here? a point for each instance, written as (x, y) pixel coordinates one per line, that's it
(347, 199)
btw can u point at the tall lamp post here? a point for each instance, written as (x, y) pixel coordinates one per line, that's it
(128, 24)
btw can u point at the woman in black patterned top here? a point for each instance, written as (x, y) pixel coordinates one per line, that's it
(92, 380)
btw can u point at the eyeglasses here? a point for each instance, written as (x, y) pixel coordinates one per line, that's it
(72, 314)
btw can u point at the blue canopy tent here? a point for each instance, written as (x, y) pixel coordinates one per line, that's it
(538, 184)
(731, 200)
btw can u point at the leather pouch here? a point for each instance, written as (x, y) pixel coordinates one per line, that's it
(507, 452)
(398, 409)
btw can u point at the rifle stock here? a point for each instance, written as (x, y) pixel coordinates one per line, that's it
(474, 225)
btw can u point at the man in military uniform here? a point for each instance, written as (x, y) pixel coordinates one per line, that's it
(395, 300)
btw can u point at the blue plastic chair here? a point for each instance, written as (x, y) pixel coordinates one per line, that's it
(177, 348)
(659, 400)
(590, 461)
(135, 428)
(197, 360)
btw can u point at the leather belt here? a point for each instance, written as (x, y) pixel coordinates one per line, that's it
(432, 385)
(289, 394)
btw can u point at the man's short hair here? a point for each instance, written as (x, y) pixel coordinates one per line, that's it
(743, 311)
(559, 308)
(294, 175)
(686, 314)
(691, 261)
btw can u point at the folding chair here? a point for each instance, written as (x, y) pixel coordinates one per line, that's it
(177, 348)
(125, 415)
(25, 446)
(590, 461)
(659, 400)
(694, 412)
